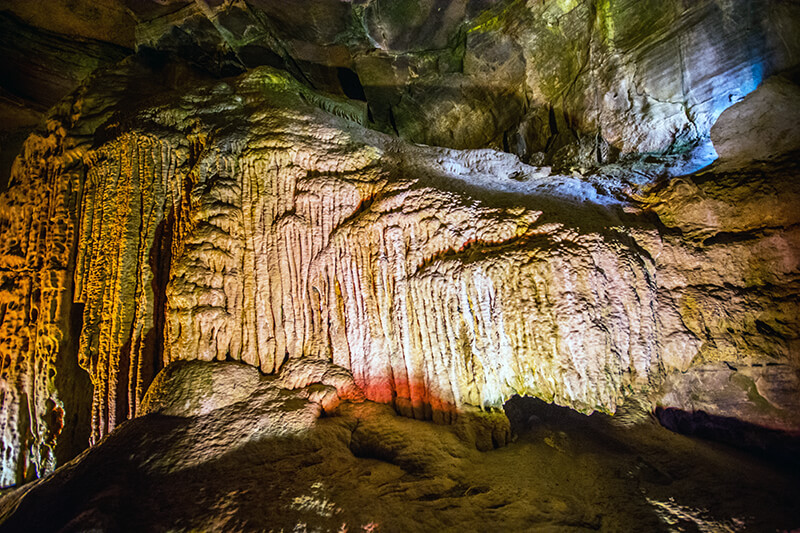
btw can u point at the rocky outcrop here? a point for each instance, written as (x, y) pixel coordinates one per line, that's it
(241, 221)
(36, 309)
(764, 394)
(761, 127)
(46, 396)
(732, 268)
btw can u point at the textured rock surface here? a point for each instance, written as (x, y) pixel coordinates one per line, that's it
(300, 234)
(575, 83)
(762, 126)
(45, 394)
(258, 221)
(161, 215)
(229, 463)
(37, 69)
(101, 20)
(36, 309)
(730, 268)
(764, 394)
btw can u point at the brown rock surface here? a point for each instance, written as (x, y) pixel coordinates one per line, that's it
(258, 221)
(268, 463)
(760, 127)
(185, 219)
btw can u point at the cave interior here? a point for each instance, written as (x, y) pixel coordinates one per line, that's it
(400, 265)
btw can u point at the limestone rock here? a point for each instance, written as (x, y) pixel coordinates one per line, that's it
(186, 389)
(719, 205)
(163, 214)
(255, 220)
(760, 395)
(458, 268)
(46, 395)
(731, 266)
(100, 20)
(37, 69)
(35, 312)
(762, 126)
(572, 83)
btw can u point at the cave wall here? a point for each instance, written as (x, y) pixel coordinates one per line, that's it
(47, 395)
(37, 312)
(298, 234)
(163, 214)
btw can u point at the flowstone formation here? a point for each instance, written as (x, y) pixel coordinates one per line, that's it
(240, 221)
(273, 231)
(252, 229)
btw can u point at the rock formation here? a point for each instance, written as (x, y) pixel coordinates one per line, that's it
(246, 188)
(225, 448)
(579, 81)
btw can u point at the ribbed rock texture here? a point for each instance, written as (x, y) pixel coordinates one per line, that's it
(300, 234)
(237, 221)
(46, 396)
(161, 214)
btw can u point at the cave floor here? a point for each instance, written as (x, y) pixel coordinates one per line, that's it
(368, 470)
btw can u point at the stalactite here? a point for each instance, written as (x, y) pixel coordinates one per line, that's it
(253, 227)
(35, 291)
(125, 198)
(432, 298)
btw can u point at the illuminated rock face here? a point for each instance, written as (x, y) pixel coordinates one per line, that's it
(568, 82)
(256, 227)
(35, 309)
(256, 220)
(434, 276)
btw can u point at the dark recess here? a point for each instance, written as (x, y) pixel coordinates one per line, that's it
(255, 55)
(160, 261)
(769, 444)
(76, 390)
(351, 85)
(780, 449)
